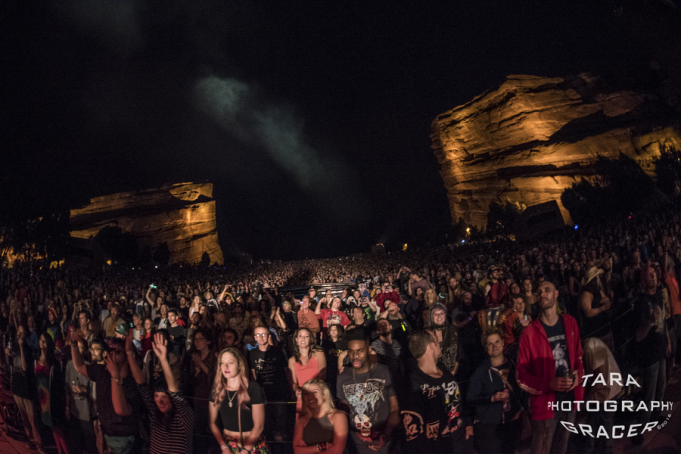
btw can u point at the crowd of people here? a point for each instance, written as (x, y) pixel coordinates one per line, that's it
(454, 349)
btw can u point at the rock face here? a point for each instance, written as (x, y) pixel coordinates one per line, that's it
(181, 215)
(532, 137)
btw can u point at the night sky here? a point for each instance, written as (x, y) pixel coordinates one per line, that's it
(310, 118)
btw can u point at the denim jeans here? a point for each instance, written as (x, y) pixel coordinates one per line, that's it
(654, 384)
(120, 445)
(549, 435)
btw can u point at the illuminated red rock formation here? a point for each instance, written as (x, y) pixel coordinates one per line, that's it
(181, 215)
(530, 138)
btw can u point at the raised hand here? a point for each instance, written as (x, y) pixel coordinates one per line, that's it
(160, 346)
(111, 366)
(128, 340)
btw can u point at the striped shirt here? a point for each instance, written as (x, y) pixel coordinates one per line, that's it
(179, 436)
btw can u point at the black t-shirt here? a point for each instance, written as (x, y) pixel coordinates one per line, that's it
(4, 323)
(229, 415)
(22, 383)
(180, 335)
(113, 424)
(413, 310)
(654, 346)
(561, 356)
(434, 416)
(401, 330)
(184, 313)
(270, 367)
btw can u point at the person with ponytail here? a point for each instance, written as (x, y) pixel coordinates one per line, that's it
(239, 405)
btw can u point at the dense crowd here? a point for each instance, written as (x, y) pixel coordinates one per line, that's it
(450, 349)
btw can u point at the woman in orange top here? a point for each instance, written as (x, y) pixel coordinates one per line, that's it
(308, 362)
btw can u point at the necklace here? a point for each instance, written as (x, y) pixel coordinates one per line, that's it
(354, 379)
(525, 319)
(232, 398)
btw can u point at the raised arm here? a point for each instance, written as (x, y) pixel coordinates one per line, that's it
(135, 370)
(120, 404)
(161, 350)
(222, 295)
(280, 320)
(148, 297)
(78, 362)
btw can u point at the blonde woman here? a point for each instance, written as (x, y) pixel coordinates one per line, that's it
(196, 306)
(240, 406)
(430, 298)
(320, 427)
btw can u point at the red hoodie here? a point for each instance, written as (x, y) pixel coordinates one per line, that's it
(536, 366)
(392, 296)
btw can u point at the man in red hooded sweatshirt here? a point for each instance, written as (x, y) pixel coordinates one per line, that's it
(550, 369)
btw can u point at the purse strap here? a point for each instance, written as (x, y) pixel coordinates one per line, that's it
(238, 410)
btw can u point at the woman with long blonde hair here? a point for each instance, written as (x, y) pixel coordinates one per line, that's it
(320, 427)
(429, 298)
(239, 404)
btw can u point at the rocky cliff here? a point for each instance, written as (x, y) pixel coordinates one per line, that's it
(530, 138)
(181, 215)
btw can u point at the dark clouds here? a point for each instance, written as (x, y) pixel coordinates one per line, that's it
(311, 118)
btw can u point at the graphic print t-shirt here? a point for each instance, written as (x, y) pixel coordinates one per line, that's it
(433, 414)
(329, 317)
(556, 335)
(368, 396)
(270, 368)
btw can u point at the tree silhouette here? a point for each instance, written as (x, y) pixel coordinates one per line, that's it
(668, 172)
(121, 247)
(501, 218)
(162, 254)
(619, 188)
(205, 259)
